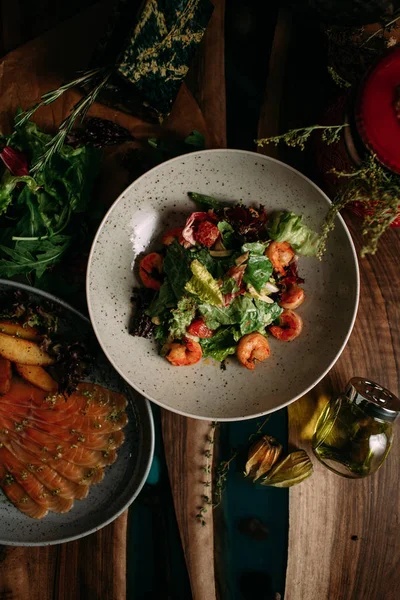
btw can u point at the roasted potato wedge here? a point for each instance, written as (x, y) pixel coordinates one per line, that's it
(23, 352)
(5, 375)
(37, 376)
(25, 332)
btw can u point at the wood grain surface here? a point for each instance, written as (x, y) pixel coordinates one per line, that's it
(185, 439)
(343, 534)
(93, 567)
(185, 442)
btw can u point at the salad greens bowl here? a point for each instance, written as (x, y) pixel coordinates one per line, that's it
(158, 202)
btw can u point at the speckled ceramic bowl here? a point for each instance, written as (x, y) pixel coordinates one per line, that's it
(158, 201)
(122, 481)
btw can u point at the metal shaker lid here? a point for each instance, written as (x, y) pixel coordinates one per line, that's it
(374, 399)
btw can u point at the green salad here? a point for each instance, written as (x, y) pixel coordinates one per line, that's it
(222, 283)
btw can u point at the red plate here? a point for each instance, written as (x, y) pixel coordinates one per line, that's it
(376, 118)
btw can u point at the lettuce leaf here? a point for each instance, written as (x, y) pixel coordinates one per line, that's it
(203, 285)
(246, 313)
(221, 345)
(258, 271)
(215, 316)
(164, 299)
(182, 316)
(288, 227)
(255, 247)
(227, 233)
(176, 268)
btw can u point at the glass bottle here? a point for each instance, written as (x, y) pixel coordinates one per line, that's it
(354, 432)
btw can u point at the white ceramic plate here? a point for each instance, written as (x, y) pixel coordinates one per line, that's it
(122, 481)
(158, 201)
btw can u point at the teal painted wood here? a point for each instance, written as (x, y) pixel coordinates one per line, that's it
(252, 568)
(156, 568)
(255, 567)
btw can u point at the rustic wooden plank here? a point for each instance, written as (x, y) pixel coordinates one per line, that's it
(184, 442)
(327, 511)
(23, 20)
(98, 565)
(94, 567)
(343, 535)
(207, 77)
(270, 113)
(19, 567)
(185, 439)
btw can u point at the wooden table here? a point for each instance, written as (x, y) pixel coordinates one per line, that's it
(343, 534)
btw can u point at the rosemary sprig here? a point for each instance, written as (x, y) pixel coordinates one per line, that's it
(50, 97)
(385, 27)
(97, 78)
(298, 137)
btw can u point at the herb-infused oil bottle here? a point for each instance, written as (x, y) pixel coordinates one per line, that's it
(354, 432)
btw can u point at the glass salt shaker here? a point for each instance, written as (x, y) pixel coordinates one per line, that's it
(354, 432)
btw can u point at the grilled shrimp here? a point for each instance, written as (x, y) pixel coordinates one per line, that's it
(280, 254)
(292, 296)
(150, 268)
(291, 325)
(182, 354)
(252, 347)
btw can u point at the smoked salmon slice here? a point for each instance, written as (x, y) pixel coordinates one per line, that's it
(53, 447)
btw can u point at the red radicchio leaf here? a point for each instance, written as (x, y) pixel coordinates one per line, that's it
(191, 224)
(248, 223)
(237, 274)
(292, 275)
(15, 161)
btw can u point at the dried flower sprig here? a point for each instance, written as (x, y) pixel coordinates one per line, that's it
(298, 137)
(338, 79)
(378, 189)
(207, 469)
(213, 498)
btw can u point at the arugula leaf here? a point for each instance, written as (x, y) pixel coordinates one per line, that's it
(36, 210)
(221, 345)
(33, 255)
(258, 271)
(203, 285)
(8, 183)
(182, 316)
(288, 227)
(227, 233)
(176, 268)
(204, 200)
(163, 300)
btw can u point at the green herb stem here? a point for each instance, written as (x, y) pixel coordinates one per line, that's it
(297, 137)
